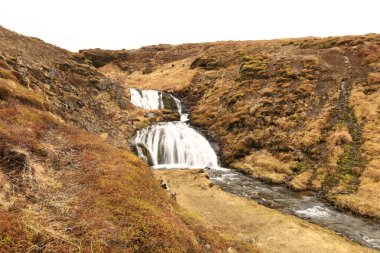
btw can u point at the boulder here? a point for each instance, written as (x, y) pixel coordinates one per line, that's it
(143, 152)
(169, 102)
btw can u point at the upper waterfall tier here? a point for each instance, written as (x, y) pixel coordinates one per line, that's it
(155, 100)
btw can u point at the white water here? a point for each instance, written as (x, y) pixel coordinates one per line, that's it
(176, 145)
(146, 99)
(315, 211)
(172, 144)
(151, 99)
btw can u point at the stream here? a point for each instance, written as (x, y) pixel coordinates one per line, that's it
(176, 144)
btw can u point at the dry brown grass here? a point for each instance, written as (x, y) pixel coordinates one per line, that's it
(263, 165)
(165, 77)
(334, 144)
(339, 137)
(89, 195)
(301, 181)
(10, 89)
(367, 111)
(374, 78)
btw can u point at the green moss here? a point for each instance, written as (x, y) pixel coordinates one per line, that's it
(303, 166)
(345, 177)
(169, 102)
(254, 67)
(349, 159)
(348, 177)
(247, 58)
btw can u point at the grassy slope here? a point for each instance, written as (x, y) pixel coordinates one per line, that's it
(66, 189)
(301, 112)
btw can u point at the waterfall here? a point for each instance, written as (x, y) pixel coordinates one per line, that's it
(172, 144)
(176, 145)
(154, 100)
(147, 99)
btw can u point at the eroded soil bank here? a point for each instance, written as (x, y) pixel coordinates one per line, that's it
(241, 219)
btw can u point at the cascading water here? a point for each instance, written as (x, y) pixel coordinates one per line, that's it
(177, 145)
(147, 99)
(152, 99)
(171, 144)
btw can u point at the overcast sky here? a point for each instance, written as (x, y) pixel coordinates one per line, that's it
(117, 24)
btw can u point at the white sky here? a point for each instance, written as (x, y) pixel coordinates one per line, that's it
(116, 24)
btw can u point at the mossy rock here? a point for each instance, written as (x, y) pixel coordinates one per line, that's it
(143, 152)
(169, 102)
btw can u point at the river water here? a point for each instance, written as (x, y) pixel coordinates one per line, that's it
(177, 145)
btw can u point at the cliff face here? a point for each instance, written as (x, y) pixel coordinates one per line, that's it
(68, 181)
(304, 112)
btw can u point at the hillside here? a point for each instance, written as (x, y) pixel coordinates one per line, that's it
(68, 181)
(301, 112)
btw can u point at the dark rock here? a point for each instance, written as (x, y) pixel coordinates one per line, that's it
(143, 151)
(173, 195)
(165, 185)
(169, 102)
(122, 104)
(101, 84)
(80, 103)
(67, 87)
